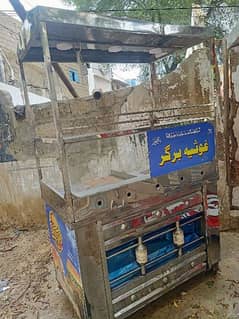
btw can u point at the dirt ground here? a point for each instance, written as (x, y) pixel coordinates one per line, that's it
(25, 262)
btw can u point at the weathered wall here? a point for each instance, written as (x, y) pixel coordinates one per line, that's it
(9, 37)
(191, 84)
(20, 199)
(234, 136)
(35, 73)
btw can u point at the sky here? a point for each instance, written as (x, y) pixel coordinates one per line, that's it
(29, 4)
(121, 73)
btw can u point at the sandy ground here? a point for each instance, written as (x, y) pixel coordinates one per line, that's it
(25, 261)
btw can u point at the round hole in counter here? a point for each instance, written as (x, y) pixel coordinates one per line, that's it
(202, 172)
(99, 203)
(157, 186)
(182, 178)
(129, 194)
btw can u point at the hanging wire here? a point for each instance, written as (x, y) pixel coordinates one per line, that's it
(221, 7)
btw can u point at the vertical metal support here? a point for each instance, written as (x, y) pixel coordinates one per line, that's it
(94, 270)
(78, 57)
(55, 112)
(226, 103)
(231, 136)
(28, 110)
(153, 78)
(222, 122)
(205, 208)
(29, 115)
(105, 268)
(212, 232)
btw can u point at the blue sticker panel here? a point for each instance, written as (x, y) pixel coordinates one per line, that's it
(64, 247)
(180, 147)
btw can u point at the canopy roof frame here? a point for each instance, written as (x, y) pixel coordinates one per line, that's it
(103, 39)
(55, 35)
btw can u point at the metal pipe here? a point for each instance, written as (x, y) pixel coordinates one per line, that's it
(128, 121)
(123, 132)
(153, 237)
(153, 78)
(145, 119)
(226, 102)
(156, 260)
(161, 257)
(55, 112)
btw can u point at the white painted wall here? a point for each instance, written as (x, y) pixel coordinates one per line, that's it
(16, 95)
(98, 80)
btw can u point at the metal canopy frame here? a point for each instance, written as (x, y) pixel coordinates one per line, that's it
(102, 39)
(92, 38)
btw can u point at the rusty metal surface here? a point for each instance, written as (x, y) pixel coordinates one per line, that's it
(125, 306)
(97, 201)
(95, 35)
(140, 292)
(104, 123)
(116, 204)
(144, 289)
(93, 271)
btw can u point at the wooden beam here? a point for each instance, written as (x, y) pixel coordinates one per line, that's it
(64, 79)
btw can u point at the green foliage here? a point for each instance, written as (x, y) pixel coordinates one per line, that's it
(173, 16)
(165, 16)
(220, 18)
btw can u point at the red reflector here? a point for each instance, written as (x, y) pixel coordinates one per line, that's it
(213, 221)
(136, 222)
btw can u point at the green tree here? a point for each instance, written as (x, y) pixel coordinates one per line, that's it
(138, 9)
(163, 11)
(167, 12)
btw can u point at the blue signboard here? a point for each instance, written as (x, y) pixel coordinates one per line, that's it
(180, 147)
(64, 249)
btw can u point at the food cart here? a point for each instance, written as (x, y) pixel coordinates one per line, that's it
(145, 218)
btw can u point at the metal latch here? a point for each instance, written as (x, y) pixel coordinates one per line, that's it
(141, 255)
(178, 237)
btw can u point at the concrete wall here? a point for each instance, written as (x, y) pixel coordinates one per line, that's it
(9, 35)
(191, 84)
(35, 73)
(20, 199)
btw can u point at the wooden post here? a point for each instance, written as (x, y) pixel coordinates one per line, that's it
(55, 112)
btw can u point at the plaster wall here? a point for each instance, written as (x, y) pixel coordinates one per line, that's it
(191, 84)
(234, 128)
